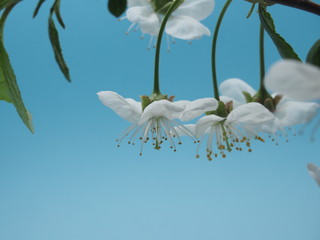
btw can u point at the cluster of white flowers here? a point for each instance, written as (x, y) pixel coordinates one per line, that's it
(158, 121)
(240, 115)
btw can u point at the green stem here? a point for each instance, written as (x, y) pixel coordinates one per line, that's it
(213, 53)
(262, 65)
(156, 84)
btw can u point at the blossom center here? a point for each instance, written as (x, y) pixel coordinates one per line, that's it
(227, 138)
(157, 130)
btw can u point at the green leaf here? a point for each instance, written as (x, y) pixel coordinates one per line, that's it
(284, 48)
(54, 39)
(4, 90)
(117, 7)
(37, 8)
(7, 3)
(9, 90)
(56, 8)
(314, 54)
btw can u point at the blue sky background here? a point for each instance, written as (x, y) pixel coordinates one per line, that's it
(70, 181)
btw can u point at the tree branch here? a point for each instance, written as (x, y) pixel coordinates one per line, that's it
(305, 5)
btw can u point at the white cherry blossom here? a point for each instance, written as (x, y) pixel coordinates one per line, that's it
(314, 172)
(234, 131)
(157, 121)
(184, 22)
(288, 111)
(297, 80)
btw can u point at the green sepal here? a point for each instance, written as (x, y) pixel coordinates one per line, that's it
(313, 56)
(36, 10)
(277, 99)
(145, 101)
(268, 103)
(247, 96)
(9, 90)
(54, 39)
(221, 111)
(229, 106)
(157, 97)
(284, 48)
(117, 7)
(261, 96)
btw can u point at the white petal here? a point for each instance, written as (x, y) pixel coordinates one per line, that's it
(254, 117)
(185, 28)
(197, 9)
(234, 88)
(291, 112)
(300, 81)
(134, 3)
(196, 108)
(146, 18)
(205, 123)
(162, 108)
(314, 172)
(126, 108)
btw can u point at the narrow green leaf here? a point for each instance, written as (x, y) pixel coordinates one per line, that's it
(117, 7)
(54, 39)
(9, 90)
(284, 48)
(7, 3)
(56, 8)
(37, 8)
(314, 54)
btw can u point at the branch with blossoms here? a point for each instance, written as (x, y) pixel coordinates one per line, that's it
(229, 120)
(232, 120)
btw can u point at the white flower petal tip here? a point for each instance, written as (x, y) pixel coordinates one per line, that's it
(234, 88)
(186, 28)
(183, 23)
(300, 81)
(292, 113)
(197, 9)
(196, 108)
(126, 108)
(314, 172)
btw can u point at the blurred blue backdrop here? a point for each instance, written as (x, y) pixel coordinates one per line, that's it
(70, 181)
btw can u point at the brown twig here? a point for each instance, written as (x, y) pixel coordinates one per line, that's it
(305, 5)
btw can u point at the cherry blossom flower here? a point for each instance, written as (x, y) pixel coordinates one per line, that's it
(235, 130)
(183, 23)
(289, 112)
(314, 172)
(155, 121)
(297, 80)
